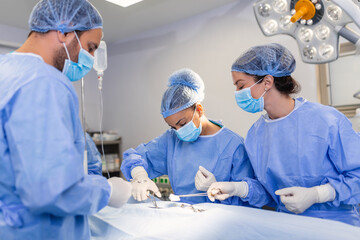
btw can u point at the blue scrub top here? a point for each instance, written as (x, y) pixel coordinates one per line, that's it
(223, 154)
(313, 145)
(44, 193)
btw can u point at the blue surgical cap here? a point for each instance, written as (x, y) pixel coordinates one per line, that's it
(65, 16)
(272, 59)
(185, 88)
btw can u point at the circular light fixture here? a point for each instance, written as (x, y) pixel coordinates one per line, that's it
(285, 22)
(270, 26)
(326, 51)
(322, 32)
(305, 34)
(264, 9)
(334, 13)
(309, 52)
(280, 6)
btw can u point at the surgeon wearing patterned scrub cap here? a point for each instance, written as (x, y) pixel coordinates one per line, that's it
(194, 152)
(305, 155)
(44, 192)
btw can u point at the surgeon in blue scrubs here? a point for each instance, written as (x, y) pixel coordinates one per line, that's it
(44, 192)
(194, 153)
(305, 155)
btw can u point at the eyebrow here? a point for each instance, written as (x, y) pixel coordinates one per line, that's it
(179, 121)
(242, 80)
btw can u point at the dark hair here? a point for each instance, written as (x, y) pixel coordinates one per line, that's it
(286, 85)
(39, 33)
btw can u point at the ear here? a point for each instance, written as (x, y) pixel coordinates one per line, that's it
(269, 82)
(61, 36)
(200, 109)
(65, 37)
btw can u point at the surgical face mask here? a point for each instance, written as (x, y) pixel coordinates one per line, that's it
(247, 102)
(189, 132)
(75, 71)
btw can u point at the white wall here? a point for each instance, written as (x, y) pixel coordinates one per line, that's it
(12, 36)
(208, 43)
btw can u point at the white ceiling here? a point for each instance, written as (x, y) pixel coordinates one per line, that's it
(119, 23)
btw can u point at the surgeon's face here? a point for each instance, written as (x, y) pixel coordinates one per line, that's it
(89, 40)
(179, 119)
(242, 80)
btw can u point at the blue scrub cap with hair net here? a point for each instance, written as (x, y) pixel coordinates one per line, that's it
(185, 88)
(272, 59)
(65, 16)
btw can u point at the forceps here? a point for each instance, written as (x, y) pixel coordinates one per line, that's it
(176, 198)
(153, 200)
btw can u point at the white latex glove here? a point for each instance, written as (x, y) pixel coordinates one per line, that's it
(224, 190)
(203, 179)
(142, 184)
(120, 192)
(298, 199)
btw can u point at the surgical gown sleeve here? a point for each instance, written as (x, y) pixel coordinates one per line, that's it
(43, 132)
(152, 156)
(94, 158)
(344, 152)
(257, 196)
(241, 168)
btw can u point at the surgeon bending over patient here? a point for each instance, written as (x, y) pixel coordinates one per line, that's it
(191, 150)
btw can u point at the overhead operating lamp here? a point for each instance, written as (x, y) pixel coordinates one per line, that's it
(315, 24)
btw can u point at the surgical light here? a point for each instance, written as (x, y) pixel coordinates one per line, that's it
(309, 52)
(334, 12)
(305, 34)
(315, 24)
(285, 22)
(318, 6)
(264, 10)
(124, 3)
(280, 6)
(271, 26)
(322, 32)
(326, 51)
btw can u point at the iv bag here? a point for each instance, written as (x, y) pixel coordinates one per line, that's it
(100, 63)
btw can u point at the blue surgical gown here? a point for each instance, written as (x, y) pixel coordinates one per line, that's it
(313, 145)
(44, 193)
(93, 157)
(223, 154)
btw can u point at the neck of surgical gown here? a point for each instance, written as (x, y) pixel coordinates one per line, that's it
(313, 145)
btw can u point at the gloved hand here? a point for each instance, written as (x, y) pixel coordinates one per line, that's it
(120, 192)
(298, 199)
(142, 184)
(224, 190)
(203, 179)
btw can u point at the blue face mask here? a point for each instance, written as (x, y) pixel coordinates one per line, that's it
(247, 102)
(75, 71)
(189, 132)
